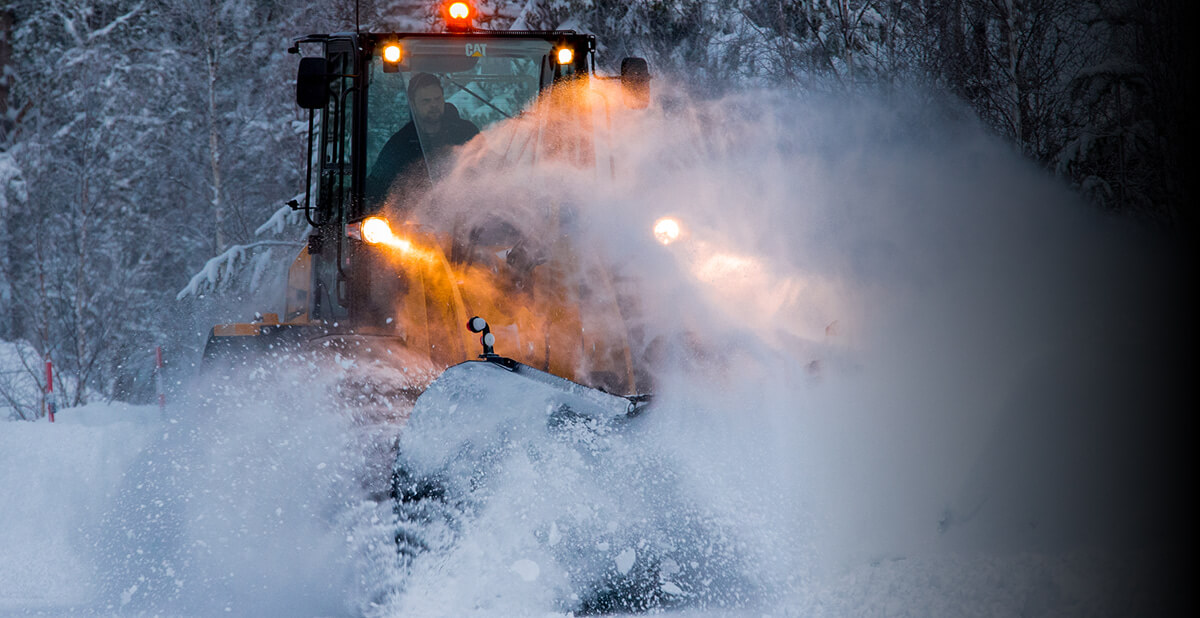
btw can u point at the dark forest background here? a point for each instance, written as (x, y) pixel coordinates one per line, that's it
(140, 139)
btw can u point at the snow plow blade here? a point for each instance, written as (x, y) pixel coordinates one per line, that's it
(473, 416)
(462, 419)
(499, 379)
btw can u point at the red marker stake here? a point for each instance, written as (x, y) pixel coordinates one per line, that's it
(50, 389)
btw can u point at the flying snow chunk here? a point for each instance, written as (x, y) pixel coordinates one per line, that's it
(625, 560)
(527, 569)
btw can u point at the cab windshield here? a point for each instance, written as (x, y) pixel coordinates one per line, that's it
(481, 81)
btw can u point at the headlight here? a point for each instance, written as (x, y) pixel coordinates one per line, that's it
(667, 230)
(375, 230)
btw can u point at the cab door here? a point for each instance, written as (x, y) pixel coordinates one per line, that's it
(330, 253)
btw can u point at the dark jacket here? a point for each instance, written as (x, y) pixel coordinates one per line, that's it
(403, 163)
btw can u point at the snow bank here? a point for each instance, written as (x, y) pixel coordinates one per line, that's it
(245, 499)
(56, 479)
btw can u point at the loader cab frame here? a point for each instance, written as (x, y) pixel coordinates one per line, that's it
(337, 88)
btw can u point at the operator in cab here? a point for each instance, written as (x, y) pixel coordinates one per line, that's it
(413, 156)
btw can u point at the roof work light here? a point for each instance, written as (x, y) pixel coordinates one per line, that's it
(565, 55)
(458, 16)
(392, 55)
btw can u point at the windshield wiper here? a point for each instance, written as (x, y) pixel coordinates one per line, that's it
(472, 93)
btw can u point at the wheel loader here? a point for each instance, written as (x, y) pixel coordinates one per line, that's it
(389, 271)
(442, 260)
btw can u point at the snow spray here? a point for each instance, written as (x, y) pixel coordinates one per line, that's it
(883, 336)
(897, 368)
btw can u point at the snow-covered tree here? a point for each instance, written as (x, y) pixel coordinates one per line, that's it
(147, 146)
(1121, 120)
(77, 262)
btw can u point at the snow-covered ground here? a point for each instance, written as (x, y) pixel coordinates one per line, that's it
(260, 510)
(906, 375)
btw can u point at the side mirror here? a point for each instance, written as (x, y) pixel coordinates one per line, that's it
(635, 82)
(312, 83)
